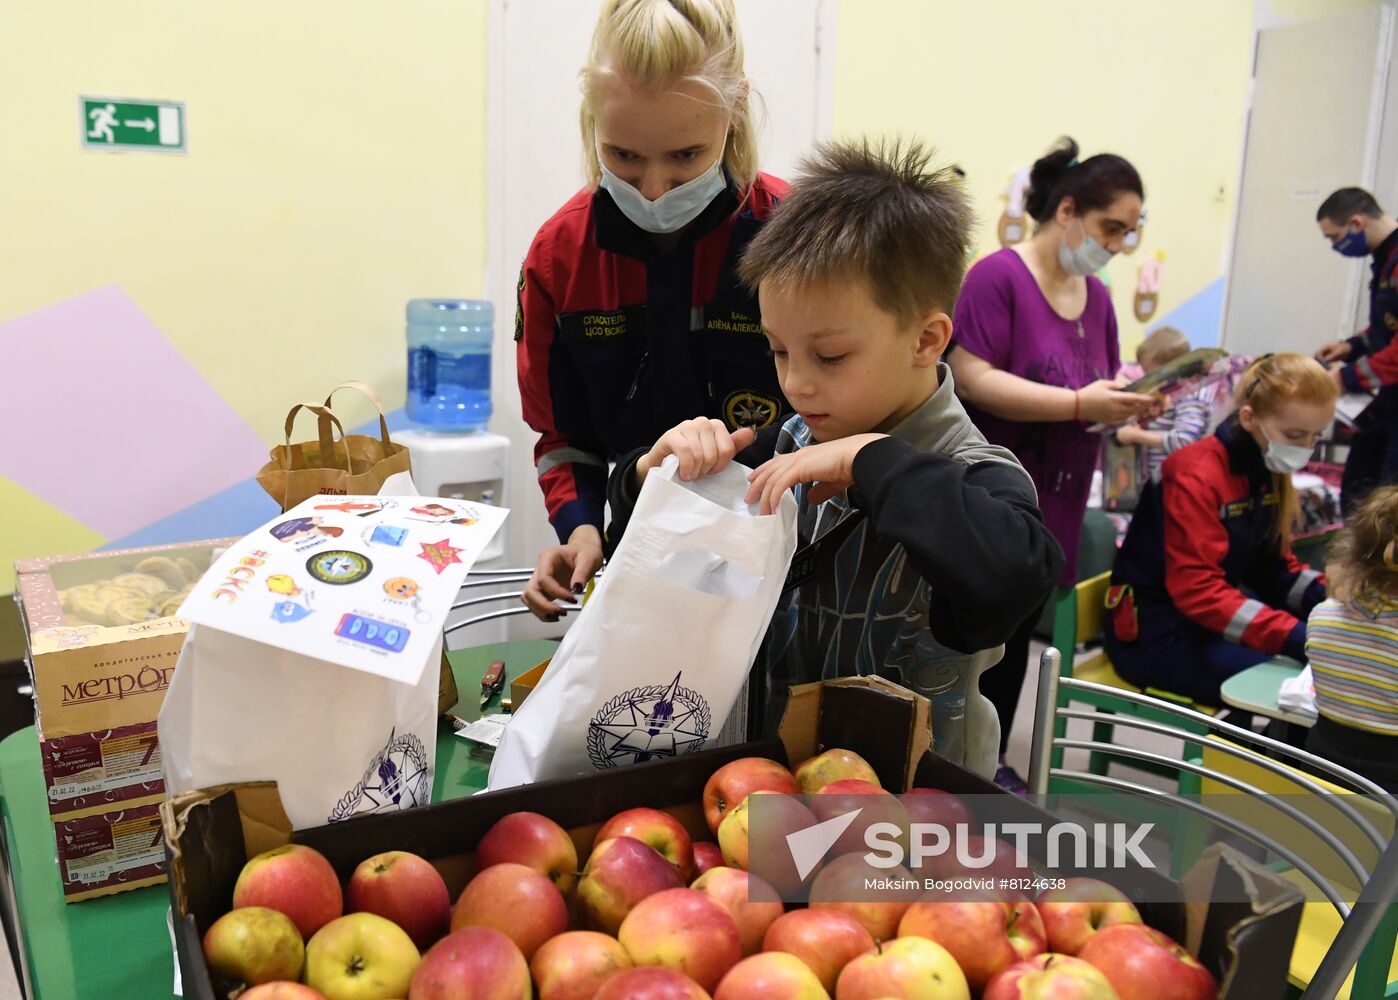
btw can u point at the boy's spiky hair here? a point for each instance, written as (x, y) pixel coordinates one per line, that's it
(872, 210)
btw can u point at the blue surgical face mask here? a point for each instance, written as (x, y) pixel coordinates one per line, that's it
(674, 209)
(1089, 258)
(1352, 244)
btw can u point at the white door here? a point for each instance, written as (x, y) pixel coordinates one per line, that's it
(536, 49)
(1317, 107)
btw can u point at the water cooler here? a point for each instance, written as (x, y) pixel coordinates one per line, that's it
(453, 454)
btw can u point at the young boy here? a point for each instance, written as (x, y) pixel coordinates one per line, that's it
(929, 546)
(1188, 416)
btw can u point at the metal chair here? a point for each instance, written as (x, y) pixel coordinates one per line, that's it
(1366, 938)
(494, 578)
(1079, 615)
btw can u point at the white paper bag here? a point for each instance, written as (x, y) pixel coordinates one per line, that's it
(312, 657)
(655, 661)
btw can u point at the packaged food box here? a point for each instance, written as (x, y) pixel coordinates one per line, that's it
(103, 638)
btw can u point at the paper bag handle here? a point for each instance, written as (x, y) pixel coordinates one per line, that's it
(364, 389)
(295, 458)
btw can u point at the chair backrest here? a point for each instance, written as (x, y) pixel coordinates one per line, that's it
(1278, 778)
(1320, 842)
(1092, 609)
(1080, 613)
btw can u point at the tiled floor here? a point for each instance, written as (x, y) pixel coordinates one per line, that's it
(9, 988)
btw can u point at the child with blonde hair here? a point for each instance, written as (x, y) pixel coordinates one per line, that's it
(1184, 422)
(1352, 645)
(631, 317)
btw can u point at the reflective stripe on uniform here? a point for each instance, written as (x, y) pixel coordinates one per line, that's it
(1366, 373)
(566, 456)
(1242, 618)
(1297, 594)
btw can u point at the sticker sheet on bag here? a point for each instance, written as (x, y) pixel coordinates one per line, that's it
(365, 582)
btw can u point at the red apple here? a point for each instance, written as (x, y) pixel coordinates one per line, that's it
(773, 976)
(656, 829)
(574, 966)
(825, 940)
(650, 984)
(1143, 964)
(910, 968)
(281, 990)
(620, 873)
(406, 889)
(815, 773)
(295, 879)
(254, 945)
(476, 963)
(527, 838)
(360, 957)
(994, 861)
(521, 903)
(985, 937)
(1080, 909)
(767, 854)
(751, 902)
(932, 805)
(1050, 977)
(874, 806)
(684, 930)
(738, 779)
(706, 856)
(876, 897)
(852, 786)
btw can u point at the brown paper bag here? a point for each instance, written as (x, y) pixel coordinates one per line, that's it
(354, 464)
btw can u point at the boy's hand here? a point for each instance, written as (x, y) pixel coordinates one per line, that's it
(703, 445)
(830, 466)
(1131, 435)
(563, 572)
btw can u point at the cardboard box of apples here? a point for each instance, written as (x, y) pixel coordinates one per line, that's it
(631, 885)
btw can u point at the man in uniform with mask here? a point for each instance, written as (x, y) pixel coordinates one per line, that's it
(1356, 226)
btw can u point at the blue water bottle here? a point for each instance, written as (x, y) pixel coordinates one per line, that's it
(449, 363)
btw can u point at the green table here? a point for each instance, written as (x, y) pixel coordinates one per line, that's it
(1255, 690)
(119, 946)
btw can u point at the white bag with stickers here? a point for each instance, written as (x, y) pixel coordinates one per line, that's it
(313, 651)
(656, 660)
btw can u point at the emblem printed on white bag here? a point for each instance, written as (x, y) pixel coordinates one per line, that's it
(397, 778)
(648, 723)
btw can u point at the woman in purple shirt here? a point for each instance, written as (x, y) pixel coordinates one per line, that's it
(1035, 358)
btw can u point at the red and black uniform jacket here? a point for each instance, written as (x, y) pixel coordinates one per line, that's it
(1204, 542)
(1374, 351)
(619, 341)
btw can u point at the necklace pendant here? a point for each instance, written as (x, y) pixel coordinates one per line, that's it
(1081, 331)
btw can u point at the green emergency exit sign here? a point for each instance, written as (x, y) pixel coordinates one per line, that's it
(114, 123)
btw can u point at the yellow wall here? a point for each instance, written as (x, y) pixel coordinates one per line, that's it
(336, 168)
(993, 84)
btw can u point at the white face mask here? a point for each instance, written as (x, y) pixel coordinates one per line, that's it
(674, 209)
(1089, 258)
(1285, 458)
